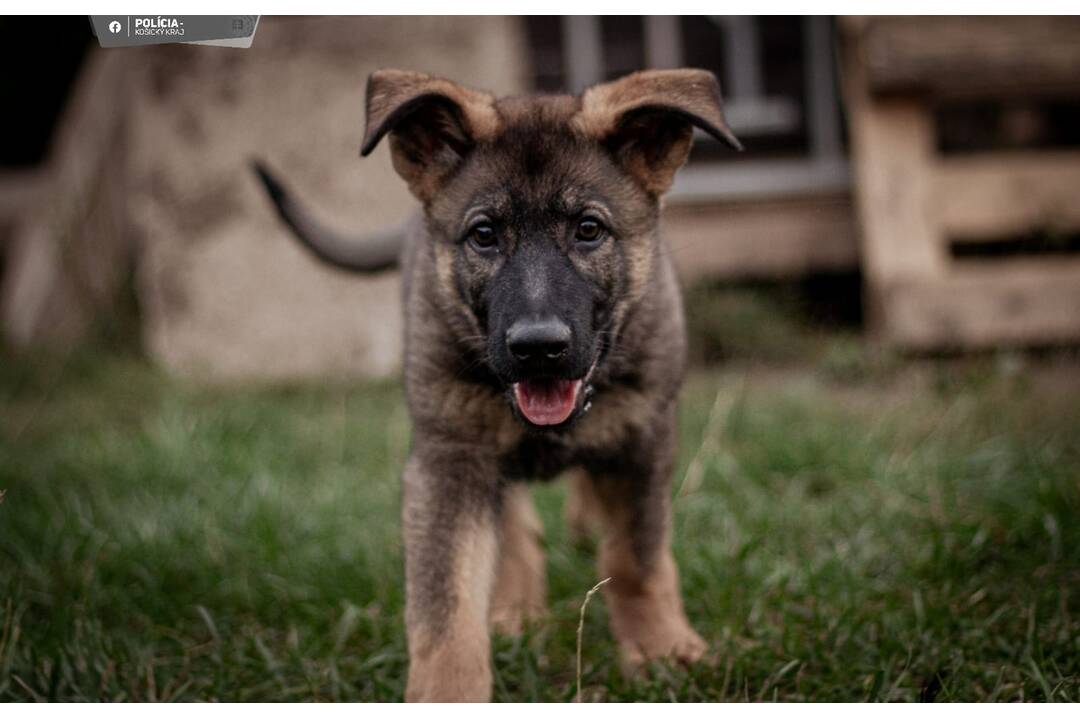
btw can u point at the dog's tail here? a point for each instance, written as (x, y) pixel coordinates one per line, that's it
(356, 254)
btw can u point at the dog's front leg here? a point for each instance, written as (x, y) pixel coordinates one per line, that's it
(518, 596)
(449, 514)
(647, 616)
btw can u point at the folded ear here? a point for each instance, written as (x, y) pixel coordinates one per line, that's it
(647, 120)
(432, 123)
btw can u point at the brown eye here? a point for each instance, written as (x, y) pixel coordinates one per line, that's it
(589, 231)
(483, 237)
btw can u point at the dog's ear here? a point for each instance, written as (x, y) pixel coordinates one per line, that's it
(647, 120)
(432, 123)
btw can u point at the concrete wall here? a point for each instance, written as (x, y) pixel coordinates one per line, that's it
(227, 292)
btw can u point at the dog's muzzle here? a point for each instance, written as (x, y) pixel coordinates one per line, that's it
(547, 392)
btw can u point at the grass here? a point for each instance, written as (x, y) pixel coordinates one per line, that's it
(908, 534)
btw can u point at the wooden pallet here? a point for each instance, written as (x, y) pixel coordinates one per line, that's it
(912, 202)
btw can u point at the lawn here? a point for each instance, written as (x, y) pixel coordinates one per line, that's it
(903, 532)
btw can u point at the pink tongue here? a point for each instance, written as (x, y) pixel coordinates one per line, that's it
(546, 402)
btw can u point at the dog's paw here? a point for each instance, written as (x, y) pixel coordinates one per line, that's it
(678, 643)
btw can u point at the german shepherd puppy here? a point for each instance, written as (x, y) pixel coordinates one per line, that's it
(544, 333)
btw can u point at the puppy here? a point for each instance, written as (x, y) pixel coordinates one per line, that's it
(544, 334)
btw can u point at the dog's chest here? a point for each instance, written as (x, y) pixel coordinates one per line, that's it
(542, 458)
(538, 458)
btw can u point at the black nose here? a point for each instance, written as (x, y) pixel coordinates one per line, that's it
(543, 339)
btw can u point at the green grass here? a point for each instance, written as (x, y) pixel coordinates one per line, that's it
(911, 534)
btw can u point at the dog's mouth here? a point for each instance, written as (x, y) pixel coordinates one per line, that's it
(550, 401)
(547, 401)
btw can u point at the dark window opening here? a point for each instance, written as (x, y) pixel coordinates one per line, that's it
(782, 68)
(971, 126)
(1040, 243)
(544, 34)
(41, 57)
(623, 39)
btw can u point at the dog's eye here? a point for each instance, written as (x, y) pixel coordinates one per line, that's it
(482, 237)
(589, 232)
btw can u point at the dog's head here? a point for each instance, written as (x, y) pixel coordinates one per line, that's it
(542, 213)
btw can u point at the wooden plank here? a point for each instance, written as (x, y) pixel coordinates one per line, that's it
(911, 201)
(740, 181)
(765, 239)
(987, 304)
(1004, 194)
(892, 152)
(972, 55)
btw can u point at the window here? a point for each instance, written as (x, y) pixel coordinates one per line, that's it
(777, 75)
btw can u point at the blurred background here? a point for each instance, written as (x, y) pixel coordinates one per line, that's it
(201, 429)
(913, 178)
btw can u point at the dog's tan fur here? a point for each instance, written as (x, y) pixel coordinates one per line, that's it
(520, 585)
(449, 654)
